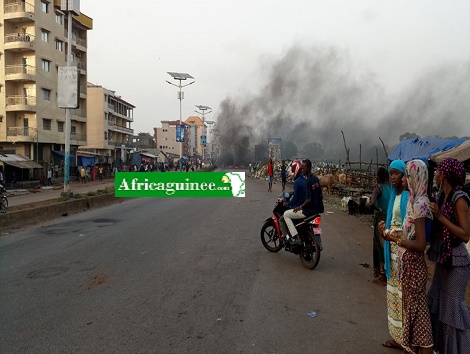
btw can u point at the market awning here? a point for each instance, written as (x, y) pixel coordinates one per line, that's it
(461, 153)
(422, 148)
(19, 161)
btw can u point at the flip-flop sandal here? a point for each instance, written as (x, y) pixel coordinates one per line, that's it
(391, 344)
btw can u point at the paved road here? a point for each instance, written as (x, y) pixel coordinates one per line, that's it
(186, 275)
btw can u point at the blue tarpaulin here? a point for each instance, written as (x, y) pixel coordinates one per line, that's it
(422, 148)
(81, 160)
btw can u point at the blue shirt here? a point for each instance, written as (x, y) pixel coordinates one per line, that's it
(299, 193)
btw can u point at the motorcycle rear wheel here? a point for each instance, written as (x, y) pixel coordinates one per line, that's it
(270, 238)
(310, 255)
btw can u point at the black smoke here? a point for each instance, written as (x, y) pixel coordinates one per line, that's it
(313, 93)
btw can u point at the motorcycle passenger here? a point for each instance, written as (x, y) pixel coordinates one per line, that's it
(298, 196)
(312, 205)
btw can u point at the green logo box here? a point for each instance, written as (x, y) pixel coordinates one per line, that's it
(179, 184)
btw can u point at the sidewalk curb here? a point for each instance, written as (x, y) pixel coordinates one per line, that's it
(16, 219)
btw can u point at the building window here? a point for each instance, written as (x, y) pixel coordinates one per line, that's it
(105, 135)
(46, 94)
(59, 19)
(46, 65)
(60, 127)
(46, 124)
(73, 129)
(45, 7)
(59, 45)
(45, 35)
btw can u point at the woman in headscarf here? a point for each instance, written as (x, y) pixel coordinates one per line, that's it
(379, 201)
(412, 271)
(395, 215)
(446, 297)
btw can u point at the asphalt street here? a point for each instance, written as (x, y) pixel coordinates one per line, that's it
(187, 276)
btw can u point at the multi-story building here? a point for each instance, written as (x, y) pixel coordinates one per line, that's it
(196, 131)
(165, 137)
(109, 131)
(33, 44)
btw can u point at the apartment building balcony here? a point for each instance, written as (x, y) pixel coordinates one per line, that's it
(83, 91)
(117, 114)
(77, 41)
(19, 41)
(19, 11)
(120, 129)
(21, 134)
(20, 104)
(20, 73)
(78, 114)
(78, 138)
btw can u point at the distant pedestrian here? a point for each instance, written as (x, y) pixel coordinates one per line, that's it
(49, 177)
(283, 175)
(270, 175)
(100, 173)
(83, 175)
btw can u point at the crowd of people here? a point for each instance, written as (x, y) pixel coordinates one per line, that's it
(406, 224)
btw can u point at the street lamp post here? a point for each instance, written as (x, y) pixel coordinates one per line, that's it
(180, 94)
(210, 123)
(203, 109)
(70, 7)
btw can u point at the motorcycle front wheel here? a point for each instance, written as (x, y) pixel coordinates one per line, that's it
(270, 238)
(310, 255)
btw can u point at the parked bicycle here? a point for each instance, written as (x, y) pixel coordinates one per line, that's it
(3, 200)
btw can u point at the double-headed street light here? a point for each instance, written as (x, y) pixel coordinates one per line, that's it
(180, 94)
(203, 137)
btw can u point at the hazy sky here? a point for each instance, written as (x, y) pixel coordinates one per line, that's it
(231, 46)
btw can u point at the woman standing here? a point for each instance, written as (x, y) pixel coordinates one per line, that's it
(412, 271)
(395, 214)
(380, 200)
(446, 297)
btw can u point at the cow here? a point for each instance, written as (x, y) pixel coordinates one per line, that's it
(327, 181)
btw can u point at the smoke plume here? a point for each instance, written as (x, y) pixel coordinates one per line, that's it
(312, 94)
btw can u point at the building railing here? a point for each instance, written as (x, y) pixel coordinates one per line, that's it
(18, 37)
(20, 69)
(21, 100)
(80, 112)
(19, 6)
(78, 136)
(80, 41)
(22, 131)
(110, 106)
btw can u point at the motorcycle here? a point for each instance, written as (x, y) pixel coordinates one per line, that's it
(309, 232)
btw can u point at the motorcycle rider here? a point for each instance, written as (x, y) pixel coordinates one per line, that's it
(298, 196)
(313, 203)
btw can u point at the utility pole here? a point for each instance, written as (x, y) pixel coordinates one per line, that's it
(180, 94)
(68, 98)
(203, 137)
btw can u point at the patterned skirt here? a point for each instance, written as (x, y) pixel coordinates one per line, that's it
(394, 298)
(417, 330)
(449, 312)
